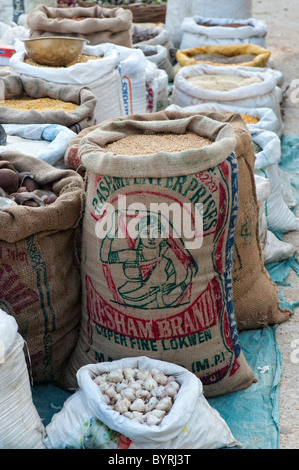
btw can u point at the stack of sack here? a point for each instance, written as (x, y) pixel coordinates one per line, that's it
(223, 66)
(89, 297)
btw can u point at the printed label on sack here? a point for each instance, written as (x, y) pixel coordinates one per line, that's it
(154, 295)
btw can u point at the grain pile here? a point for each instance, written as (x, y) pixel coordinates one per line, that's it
(81, 59)
(246, 117)
(222, 82)
(140, 144)
(223, 58)
(39, 104)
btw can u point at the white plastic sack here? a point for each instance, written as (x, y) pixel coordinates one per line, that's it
(14, 33)
(268, 120)
(264, 94)
(161, 38)
(279, 217)
(101, 76)
(273, 249)
(48, 142)
(133, 75)
(156, 88)
(160, 58)
(253, 31)
(191, 423)
(177, 10)
(20, 424)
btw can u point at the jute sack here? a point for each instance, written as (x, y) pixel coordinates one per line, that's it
(20, 424)
(16, 86)
(39, 268)
(173, 303)
(98, 26)
(256, 299)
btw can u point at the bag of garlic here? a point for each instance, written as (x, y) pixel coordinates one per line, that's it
(166, 409)
(20, 424)
(235, 86)
(165, 297)
(39, 267)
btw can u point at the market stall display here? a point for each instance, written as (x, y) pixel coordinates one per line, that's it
(87, 421)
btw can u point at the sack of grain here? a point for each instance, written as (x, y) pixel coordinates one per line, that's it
(143, 35)
(256, 299)
(200, 31)
(96, 68)
(235, 86)
(268, 155)
(161, 296)
(96, 24)
(39, 267)
(249, 55)
(159, 55)
(177, 10)
(20, 424)
(273, 249)
(44, 102)
(87, 421)
(255, 118)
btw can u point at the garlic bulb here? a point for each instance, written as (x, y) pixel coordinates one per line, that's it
(144, 396)
(137, 405)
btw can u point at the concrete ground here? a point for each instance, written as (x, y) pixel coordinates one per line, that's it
(282, 41)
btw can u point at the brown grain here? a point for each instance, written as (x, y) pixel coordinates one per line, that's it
(140, 144)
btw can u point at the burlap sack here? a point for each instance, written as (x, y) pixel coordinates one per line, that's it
(98, 26)
(256, 299)
(39, 270)
(16, 86)
(176, 304)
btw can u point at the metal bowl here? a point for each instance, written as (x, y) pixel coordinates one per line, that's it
(56, 51)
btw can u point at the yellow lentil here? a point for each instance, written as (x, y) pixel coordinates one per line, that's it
(137, 144)
(39, 104)
(247, 118)
(82, 58)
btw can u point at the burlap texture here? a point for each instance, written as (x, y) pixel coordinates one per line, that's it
(100, 25)
(179, 307)
(16, 86)
(39, 268)
(256, 298)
